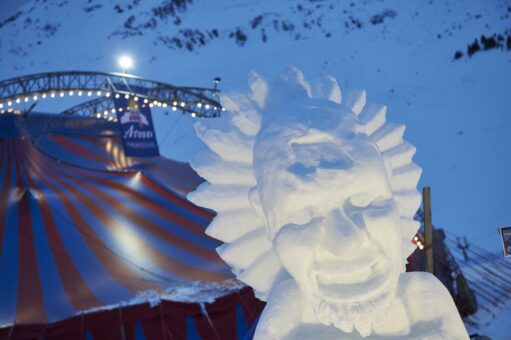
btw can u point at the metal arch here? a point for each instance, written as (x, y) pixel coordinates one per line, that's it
(91, 107)
(201, 101)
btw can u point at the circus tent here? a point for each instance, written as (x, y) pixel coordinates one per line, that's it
(85, 231)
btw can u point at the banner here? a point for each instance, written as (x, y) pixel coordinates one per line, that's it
(137, 129)
(505, 235)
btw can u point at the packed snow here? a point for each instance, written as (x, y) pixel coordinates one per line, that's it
(192, 292)
(335, 191)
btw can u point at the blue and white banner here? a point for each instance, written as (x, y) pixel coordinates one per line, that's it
(137, 129)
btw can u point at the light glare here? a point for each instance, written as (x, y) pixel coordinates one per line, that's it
(125, 62)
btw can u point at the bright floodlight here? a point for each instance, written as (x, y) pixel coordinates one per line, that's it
(125, 62)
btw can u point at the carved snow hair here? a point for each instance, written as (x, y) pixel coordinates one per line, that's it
(230, 182)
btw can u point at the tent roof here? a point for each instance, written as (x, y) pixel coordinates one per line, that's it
(82, 226)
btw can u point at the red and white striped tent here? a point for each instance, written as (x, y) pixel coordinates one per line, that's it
(83, 227)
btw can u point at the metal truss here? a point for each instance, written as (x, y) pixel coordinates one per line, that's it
(200, 102)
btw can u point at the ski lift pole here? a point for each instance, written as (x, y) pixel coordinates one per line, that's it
(428, 228)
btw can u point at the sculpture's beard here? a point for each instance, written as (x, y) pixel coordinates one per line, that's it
(361, 316)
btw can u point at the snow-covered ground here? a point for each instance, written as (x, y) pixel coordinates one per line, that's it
(401, 52)
(499, 328)
(193, 292)
(488, 275)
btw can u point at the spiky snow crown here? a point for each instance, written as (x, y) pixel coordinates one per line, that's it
(228, 170)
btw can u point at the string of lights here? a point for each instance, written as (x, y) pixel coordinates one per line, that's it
(198, 102)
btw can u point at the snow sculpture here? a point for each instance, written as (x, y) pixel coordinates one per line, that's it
(315, 203)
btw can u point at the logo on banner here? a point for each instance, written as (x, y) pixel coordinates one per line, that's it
(133, 115)
(136, 129)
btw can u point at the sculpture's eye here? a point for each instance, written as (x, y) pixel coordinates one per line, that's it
(302, 171)
(335, 161)
(371, 202)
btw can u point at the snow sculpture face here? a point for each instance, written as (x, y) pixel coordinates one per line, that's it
(314, 191)
(329, 208)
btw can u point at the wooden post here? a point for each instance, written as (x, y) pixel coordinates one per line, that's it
(428, 228)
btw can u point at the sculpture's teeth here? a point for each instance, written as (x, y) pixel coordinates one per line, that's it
(409, 227)
(241, 253)
(229, 225)
(373, 117)
(388, 136)
(218, 171)
(262, 273)
(355, 101)
(408, 202)
(400, 155)
(231, 145)
(406, 177)
(221, 197)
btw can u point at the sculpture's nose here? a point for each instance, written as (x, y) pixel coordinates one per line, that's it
(341, 237)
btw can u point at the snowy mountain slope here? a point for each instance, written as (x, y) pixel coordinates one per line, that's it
(401, 52)
(487, 274)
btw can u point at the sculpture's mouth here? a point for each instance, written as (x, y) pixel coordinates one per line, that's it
(352, 280)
